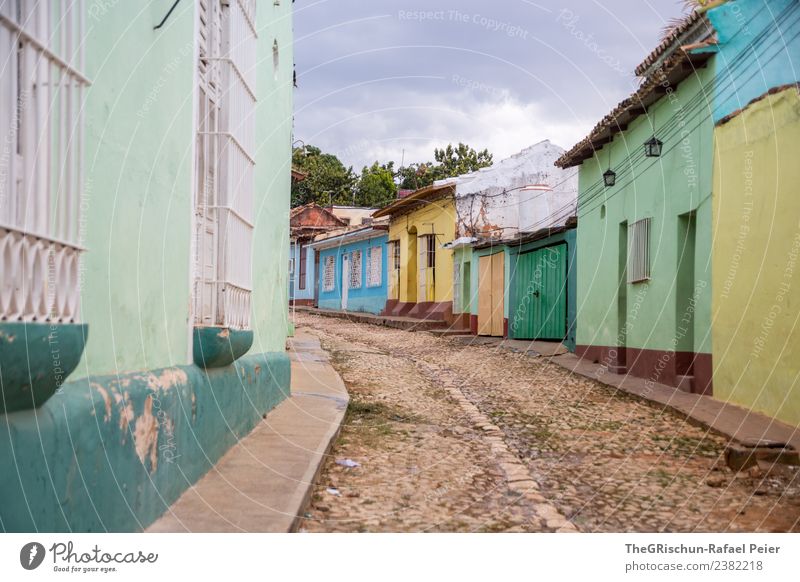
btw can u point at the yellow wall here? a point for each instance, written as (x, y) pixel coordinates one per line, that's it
(756, 251)
(438, 217)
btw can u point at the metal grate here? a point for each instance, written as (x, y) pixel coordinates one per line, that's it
(41, 161)
(225, 164)
(639, 251)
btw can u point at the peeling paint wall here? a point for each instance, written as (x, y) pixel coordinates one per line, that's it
(491, 203)
(112, 454)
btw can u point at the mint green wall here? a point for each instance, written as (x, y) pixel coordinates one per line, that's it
(664, 188)
(273, 175)
(137, 200)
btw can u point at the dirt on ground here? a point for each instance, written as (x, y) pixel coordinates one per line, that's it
(428, 461)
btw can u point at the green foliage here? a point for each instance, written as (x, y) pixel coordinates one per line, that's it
(451, 162)
(328, 181)
(460, 160)
(376, 187)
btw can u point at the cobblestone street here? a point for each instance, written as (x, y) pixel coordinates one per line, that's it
(450, 437)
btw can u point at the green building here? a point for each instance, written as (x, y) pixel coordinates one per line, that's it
(644, 212)
(143, 245)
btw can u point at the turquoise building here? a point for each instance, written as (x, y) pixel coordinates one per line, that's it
(353, 270)
(143, 292)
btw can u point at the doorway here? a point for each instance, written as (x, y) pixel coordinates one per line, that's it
(491, 285)
(411, 267)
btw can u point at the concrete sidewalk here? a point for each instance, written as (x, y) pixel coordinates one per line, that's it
(263, 483)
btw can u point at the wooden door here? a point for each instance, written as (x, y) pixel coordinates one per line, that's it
(485, 296)
(498, 287)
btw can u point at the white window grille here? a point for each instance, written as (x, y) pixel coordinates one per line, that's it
(224, 163)
(41, 155)
(329, 274)
(355, 270)
(639, 251)
(374, 267)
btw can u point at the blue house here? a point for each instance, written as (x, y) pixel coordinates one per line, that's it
(352, 270)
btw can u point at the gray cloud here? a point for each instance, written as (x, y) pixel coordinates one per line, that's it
(380, 77)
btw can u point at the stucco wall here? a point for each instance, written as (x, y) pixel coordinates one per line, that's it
(663, 189)
(273, 178)
(365, 298)
(492, 203)
(137, 205)
(759, 48)
(437, 217)
(757, 258)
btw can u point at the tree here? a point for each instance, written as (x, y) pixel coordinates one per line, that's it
(376, 187)
(327, 181)
(415, 176)
(451, 162)
(459, 160)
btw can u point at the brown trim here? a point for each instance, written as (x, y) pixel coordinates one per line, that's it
(473, 324)
(505, 328)
(688, 371)
(302, 302)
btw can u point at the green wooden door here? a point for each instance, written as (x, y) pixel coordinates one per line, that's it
(539, 308)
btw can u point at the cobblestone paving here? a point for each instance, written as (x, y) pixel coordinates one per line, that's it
(466, 438)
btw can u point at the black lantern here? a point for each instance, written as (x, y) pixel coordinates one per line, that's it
(652, 147)
(610, 177)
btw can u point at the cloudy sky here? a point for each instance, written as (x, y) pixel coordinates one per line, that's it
(380, 77)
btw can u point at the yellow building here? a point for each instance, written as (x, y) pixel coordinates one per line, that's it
(420, 270)
(756, 267)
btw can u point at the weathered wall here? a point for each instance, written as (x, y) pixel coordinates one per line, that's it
(491, 204)
(756, 257)
(137, 205)
(664, 188)
(436, 217)
(365, 298)
(273, 178)
(112, 454)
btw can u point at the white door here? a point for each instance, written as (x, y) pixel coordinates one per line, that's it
(345, 279)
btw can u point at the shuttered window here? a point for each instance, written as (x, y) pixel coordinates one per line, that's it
(224, 162)
(355, 270)
(639, 251)
(41, 158)
(329, 273)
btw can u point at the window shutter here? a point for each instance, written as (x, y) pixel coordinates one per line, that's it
(639, 251)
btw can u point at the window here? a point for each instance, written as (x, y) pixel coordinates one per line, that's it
(394, 249)
(430, 248)
(375, 267)
(301, 283)
(41, 147)
(224, 163)
(355, 270)
(329, 273)
(639, 251)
